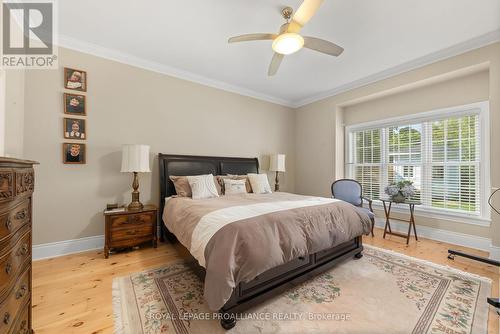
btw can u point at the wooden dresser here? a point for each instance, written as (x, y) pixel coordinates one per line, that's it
(17, 180)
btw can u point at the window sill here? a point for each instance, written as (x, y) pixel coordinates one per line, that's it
(434, 214)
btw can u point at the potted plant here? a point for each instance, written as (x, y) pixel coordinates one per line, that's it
(401, 190)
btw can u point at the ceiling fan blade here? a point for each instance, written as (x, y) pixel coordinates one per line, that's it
(252, 37)
(306, 11)
(275, 64)
(322, 46)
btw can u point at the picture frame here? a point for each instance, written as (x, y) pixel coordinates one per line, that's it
(74, 153)
(74, 128)
(75, 104)
(75, 79)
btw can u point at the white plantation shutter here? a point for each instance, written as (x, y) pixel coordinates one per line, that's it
(439, 152)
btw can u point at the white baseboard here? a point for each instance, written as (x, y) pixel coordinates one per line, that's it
(450, 237)
(495, 252)
(60, 248)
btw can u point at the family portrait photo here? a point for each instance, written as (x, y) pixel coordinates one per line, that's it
(75, 104)
(73, 153)
(74, 128)
(75, 79)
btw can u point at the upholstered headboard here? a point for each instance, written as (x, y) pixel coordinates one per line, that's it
(196, 165)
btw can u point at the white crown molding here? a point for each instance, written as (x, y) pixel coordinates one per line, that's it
(474, 43)
(96, 50)
(60, 248)
(125, 58)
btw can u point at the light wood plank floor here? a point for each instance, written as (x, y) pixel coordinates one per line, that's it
(72, 294)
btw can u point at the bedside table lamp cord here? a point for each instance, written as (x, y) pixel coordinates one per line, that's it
(495, 302)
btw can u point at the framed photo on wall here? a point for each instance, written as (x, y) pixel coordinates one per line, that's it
(74, 153)
(75, 104)
(75, 79)
(75, 128)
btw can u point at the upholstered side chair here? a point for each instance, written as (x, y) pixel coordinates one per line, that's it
(351, 191)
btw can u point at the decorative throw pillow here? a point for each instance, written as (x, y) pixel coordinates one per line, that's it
(203, 186)
(234, 187)
(242, 177)
(260, 183)
(181, 185)
(183, 189)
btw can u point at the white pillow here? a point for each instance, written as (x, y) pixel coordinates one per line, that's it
(202, 186)
(234, 187)
(259, 183)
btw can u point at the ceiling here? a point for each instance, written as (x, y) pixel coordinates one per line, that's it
(188, 39)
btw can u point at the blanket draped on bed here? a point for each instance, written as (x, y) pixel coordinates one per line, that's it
(238, 237)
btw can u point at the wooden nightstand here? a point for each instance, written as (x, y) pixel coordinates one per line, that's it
(130, 228)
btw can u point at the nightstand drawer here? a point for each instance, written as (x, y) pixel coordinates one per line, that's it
(129, 221)
(132, 232)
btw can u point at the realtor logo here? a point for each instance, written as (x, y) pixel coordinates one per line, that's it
(28, 32)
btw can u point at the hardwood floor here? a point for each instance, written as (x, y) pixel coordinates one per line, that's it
(72, 294)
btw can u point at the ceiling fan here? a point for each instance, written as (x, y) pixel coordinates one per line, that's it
(288, 40)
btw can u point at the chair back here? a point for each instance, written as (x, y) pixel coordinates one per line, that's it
(348, 190)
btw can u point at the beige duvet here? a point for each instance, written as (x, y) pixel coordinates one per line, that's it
(238, 237)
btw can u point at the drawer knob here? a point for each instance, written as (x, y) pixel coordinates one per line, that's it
(22, 291)
(23, 328)
(24, 249)
(21, 214)
(6, 318)
(8, 224)
(8, 268)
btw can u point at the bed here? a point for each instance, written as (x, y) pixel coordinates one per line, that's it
(254, 256)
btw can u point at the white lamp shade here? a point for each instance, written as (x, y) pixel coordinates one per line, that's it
(135, 158)
(277, 163)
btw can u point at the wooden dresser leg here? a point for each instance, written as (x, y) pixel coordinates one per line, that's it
(106, 252)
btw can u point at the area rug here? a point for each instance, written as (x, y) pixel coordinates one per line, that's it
(383, 292)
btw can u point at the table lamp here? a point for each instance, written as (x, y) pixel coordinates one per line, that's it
(135, 159)
(277, 164)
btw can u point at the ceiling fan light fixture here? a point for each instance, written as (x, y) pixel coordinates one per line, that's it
(288, 43)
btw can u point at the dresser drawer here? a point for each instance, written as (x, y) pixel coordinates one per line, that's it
(11, 307)
(132, 232)
(6, 185)
(129, 221)
(22, 326)
(25, 181)
(15, 219)
(12, 262)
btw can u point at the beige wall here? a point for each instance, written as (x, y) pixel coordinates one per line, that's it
(454, 92)
(131, 105)
(2, 112)
(14, 112)
(470, 77)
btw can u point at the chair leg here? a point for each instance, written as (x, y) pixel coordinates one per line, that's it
(373, 225)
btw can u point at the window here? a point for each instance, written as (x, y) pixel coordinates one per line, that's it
(442, 152)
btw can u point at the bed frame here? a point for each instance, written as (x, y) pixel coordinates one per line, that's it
(271, 282)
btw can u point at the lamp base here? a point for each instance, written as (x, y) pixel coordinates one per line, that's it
(135, 204)
(276, 183)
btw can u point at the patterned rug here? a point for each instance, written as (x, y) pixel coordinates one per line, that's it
(384, 292)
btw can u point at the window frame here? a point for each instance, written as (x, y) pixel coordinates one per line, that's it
(481, 109)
